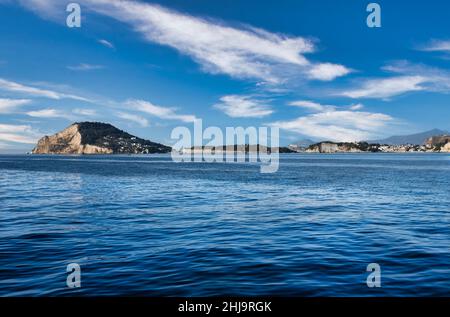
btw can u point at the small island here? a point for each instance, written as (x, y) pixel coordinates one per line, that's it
(242, 149)
(96, 138)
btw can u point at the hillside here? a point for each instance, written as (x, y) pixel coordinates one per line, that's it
(96, 138)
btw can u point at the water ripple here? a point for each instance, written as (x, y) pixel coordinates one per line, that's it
(142, 225)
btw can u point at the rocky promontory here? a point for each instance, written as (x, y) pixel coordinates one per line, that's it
(96, 138)
(441, 143)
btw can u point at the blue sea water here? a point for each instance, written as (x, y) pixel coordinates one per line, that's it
(144, 225)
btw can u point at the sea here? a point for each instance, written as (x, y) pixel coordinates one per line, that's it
(148, 226)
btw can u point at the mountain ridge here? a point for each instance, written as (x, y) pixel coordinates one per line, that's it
(416, 138)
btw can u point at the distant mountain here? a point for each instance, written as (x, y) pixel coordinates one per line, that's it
(96, 138)
(418, 138)
(303, 143)
(300, 145)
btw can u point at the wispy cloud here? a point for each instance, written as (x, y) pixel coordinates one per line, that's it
(312, 106)
(134, 118)
(8, 105)
(85, 67)
(237, 106)
(357, 106)
(28, 90)
(436, 46)
(436, 79)
(240, 52)
(317, 107)
(106, 43)
(341, 126)
(336, 123)
(85, 112)
(49, 113)
(405, 77)
(158, 111)
(73, 115)
(384, 88)
(18, 134)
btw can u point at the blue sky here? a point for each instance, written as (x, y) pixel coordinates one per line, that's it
(312, 68)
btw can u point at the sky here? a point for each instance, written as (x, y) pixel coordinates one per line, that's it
(314, 69)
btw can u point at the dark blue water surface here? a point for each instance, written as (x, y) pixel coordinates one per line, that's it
(143, 225)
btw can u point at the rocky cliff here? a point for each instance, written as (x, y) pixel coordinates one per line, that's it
(438, 140)
(96, 138)
(440, 143)
(343, 147)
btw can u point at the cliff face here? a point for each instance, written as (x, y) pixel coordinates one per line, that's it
(440, 143)
(438, 140)
(331, 147)
(96, 138)
(446, 147)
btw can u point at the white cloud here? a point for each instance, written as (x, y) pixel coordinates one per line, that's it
(49, 113)
(11, 86)
(85, 67)
(243, 107)
(85, 112)
(14, 128)
(387, 87)
(437, 46)
(134, 118)
(240, 52)
(327, 71)
(49, 8)
(357, 106)
(435, 79)
(106, 43)
(317, 107)
(336, 123)
(340, 126)
(408, 77)
(310, 105)
(17, 138)
(157, 111)
(7, 105)
(18, 134)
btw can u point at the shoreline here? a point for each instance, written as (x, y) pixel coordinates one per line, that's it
(197, 154)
